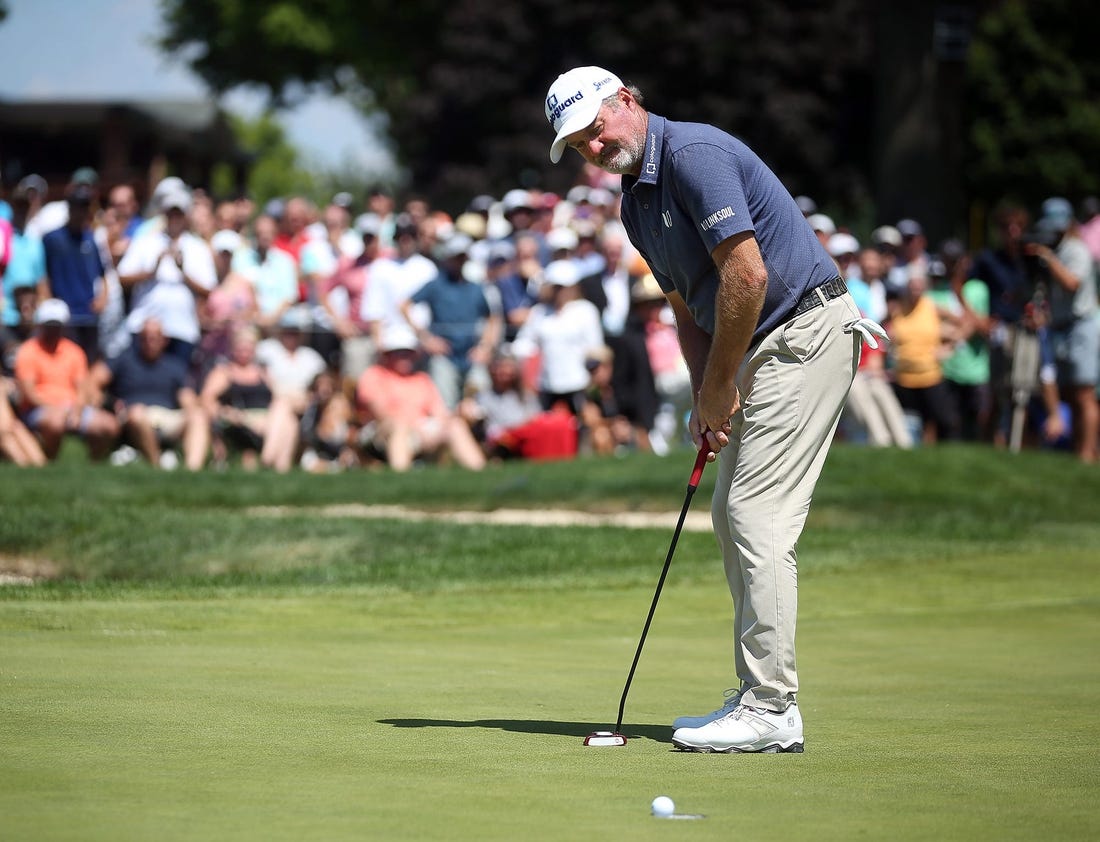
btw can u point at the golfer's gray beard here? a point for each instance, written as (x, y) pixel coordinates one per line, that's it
(625, 158)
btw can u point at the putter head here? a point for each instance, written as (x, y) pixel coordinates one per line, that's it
(605, 738)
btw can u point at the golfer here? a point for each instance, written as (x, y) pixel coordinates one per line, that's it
(771, 338)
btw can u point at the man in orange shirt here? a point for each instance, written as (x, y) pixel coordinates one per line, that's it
(52, 373)
(405, 413)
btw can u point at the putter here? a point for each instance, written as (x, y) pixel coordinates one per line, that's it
(615, 738)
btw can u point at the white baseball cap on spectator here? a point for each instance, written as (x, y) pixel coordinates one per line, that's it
(561, 239)
(886, 235)
(295, 319)
(225, 240)
(514, 200)
(601, 197)
(578, 194)
(909, 228)
(1056, 214)
(398, 337)
(840, 244)
(165, 186)
(822, 223)
(368, 223)
(805, 204)
(179, 199)
(456, 245)
(52, 311)
(561, 273)
(573, 102)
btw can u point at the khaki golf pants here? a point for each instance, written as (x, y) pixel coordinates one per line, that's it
(793, 385)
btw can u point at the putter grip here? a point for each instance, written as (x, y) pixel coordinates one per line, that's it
(700, 463)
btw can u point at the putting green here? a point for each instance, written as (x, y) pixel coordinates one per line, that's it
(941, 700)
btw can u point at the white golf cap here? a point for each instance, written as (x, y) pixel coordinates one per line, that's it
(226, 240)
(561, 273)
(842, 243)
(820, 222)
(52, 311)
(573, 102)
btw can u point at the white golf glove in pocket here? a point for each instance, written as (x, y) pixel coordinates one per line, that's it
(868, 329)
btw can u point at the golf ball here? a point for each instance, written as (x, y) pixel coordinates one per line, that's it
(662, 807)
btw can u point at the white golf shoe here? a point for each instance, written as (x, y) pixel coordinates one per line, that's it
(732, 699)
(746, 729)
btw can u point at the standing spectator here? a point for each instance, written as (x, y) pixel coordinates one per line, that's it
(823, 227)
(963, 305)
(615, 280)
(395, 280)
(1089, 229)
(343, 294)
(238, 397)
(153, 402)
(462, 333)
(26, 264)
(52, 374)
(1012, 327)
(887, 242)
(511, 289)
(872, 271)
(916, 336)
(403, 412)
(170, 273)
(53, 215)
(562, 330)
(913, 258)
(273, 273)
(671, 378)
(873, 404)
(75, 271)
(1074, 322)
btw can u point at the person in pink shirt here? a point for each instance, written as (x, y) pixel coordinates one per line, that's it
(403, 412)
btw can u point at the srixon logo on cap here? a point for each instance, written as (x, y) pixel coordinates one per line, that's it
(556, 108)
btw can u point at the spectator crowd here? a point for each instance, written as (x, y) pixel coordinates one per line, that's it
(194, 331)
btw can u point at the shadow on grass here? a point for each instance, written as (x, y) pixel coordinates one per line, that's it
(657, 733)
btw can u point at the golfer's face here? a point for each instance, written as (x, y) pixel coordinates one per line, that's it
(612, 142)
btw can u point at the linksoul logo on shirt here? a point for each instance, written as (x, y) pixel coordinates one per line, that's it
(716, 217)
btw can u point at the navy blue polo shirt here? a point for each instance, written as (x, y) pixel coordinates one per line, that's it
(700, 186)
(136, 380)
(73, 266)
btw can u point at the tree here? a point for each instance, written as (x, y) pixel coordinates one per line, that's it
(462, 82)
(1034, 79)
(275, 170)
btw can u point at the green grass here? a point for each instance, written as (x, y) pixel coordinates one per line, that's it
(200, 671)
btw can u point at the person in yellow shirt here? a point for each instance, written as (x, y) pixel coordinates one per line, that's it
(916, 348)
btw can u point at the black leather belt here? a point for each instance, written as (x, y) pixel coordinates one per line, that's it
(829, 290)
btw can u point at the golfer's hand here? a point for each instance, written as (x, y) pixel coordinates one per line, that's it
(710, 418)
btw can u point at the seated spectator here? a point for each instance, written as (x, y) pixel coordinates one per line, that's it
(291, 365)
(272, 272)
(606, 429)
(171, 273)
(509, 420)
(561, 330)
(404, 414)
(328, 428)
(17, 443)
(153, 402)
(52, 374)
(463, 331)
(239, 399)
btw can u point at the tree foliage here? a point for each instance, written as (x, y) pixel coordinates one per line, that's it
(462, 82)
(1034, 97)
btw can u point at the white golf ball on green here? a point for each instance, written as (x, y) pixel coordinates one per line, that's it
(662, 807)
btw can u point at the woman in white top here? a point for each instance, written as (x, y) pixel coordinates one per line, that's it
(562, 330)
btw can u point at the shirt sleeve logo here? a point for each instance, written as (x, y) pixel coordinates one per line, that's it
(716, 217)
